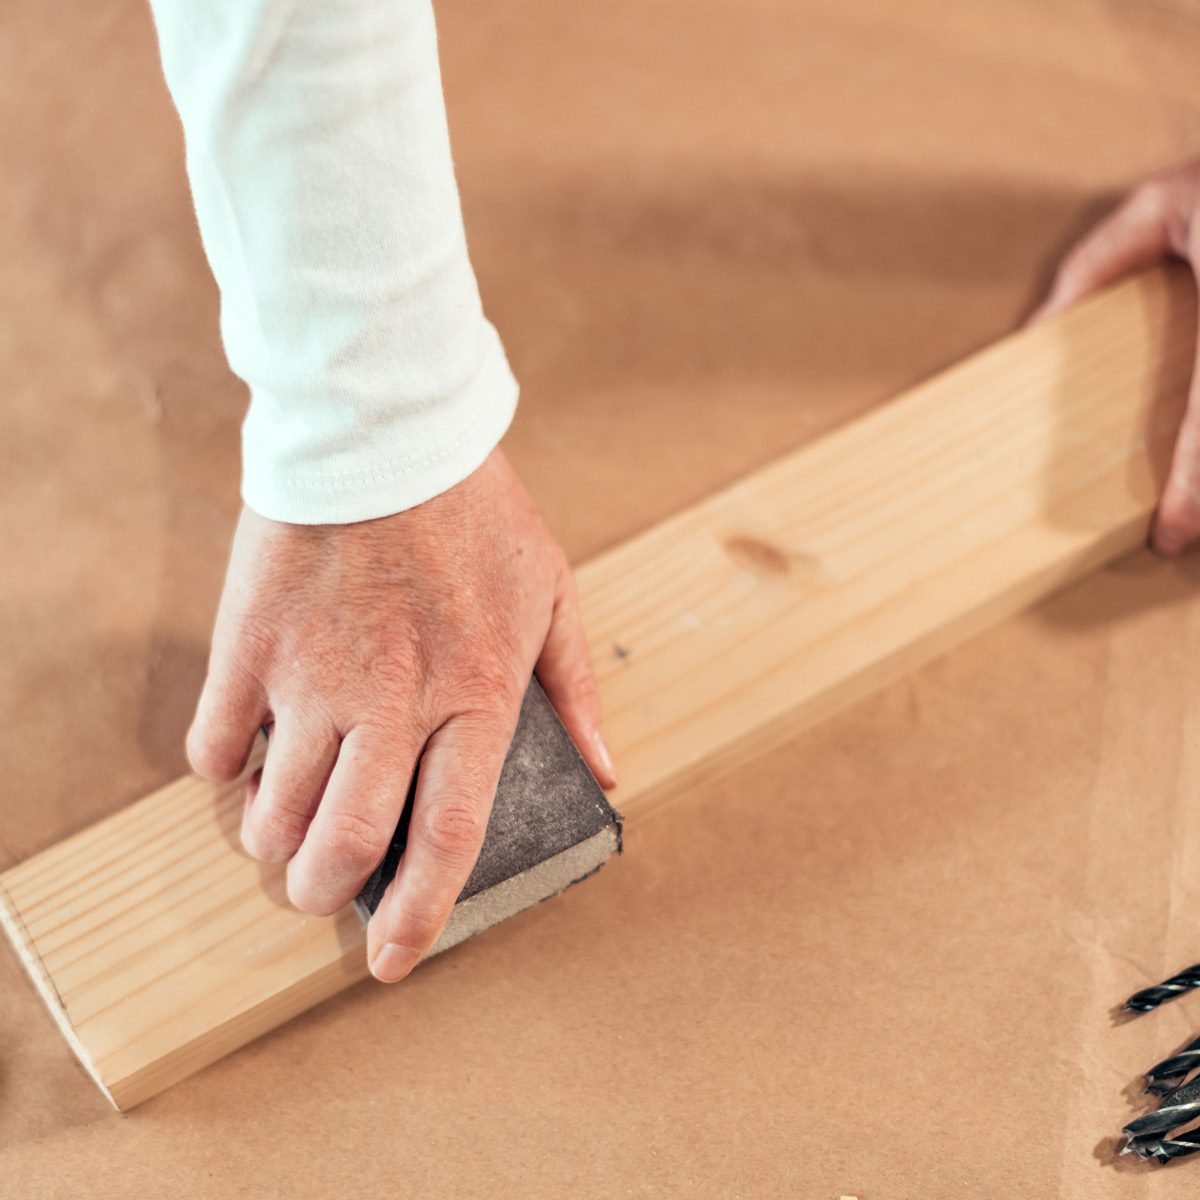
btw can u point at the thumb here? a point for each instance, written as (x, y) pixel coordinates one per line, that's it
(564, 669)
(1177, 518)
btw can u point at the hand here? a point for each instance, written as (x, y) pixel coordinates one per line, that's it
(1160, 219)
(370, 646)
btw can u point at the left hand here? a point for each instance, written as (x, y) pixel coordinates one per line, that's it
(1160, 219)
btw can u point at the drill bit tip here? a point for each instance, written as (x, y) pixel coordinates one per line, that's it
(1150, 998)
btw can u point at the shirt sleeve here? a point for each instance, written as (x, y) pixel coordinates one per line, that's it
(319, 161)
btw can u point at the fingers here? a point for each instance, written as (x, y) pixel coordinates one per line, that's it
(1176, 523)
(229, 714)
(355, 820)
(300, 757)
(1155, 221)
(455, 788)
(1135, 235)
(564, 670)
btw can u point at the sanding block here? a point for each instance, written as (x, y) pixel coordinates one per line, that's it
(551, 826)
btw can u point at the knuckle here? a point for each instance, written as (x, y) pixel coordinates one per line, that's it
(212, 756)
(309, 898)
(581, 684)
(275, 829)
(419, 924)
(491, 689)
(356, 841)
(454, 830)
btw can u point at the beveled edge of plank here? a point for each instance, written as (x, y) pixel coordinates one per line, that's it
(26, 950)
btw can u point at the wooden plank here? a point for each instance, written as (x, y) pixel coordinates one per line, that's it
(160, 948)
(822, 576)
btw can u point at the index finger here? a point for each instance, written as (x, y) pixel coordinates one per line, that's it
(456, 784)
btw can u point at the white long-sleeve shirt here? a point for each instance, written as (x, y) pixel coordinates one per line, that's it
(319, 161)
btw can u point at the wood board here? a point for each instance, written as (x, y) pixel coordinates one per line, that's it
(161, 948)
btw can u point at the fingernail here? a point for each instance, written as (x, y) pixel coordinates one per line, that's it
(1167, 544)
(606, 759)
(392, 962)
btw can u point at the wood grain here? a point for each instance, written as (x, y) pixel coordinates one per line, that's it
(159, 947)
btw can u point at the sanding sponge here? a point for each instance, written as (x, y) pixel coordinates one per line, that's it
(550, 827)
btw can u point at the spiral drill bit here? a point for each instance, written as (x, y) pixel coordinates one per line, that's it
(1151, 997)
(1165, 1149)
(1164, 1077)
(1151, 1137)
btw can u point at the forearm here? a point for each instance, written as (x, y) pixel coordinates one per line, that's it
(320, 167)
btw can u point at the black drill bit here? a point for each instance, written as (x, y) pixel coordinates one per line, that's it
(1152, 997)
(1150, 1136)
(1164, 1077)
(1164, 1149)
(1164, 1118)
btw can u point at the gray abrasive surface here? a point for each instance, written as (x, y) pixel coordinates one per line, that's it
(551, 826)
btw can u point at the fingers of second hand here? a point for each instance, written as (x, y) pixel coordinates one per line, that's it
(1133, 236)
(355, 820)
(455, 787)
(1177, 518)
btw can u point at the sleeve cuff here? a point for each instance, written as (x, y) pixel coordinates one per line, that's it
(388, 474)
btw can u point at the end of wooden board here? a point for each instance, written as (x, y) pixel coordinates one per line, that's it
(22, 943)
